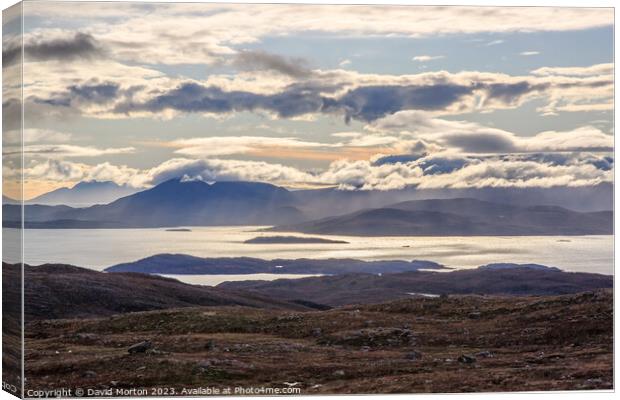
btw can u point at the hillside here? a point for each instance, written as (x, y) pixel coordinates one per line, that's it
(64, 291)
(417, 345)
(515, 280)
(459, 217)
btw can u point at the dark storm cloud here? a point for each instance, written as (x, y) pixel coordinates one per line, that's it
(79, 46)
(364, 103)
(373, 102)
(261, 60)
(95, 93)
(192, 97)
(509, 92)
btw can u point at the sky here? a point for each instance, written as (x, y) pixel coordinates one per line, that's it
(303, 96)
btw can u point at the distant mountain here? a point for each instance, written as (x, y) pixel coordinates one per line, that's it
(84, 194)
(318, 203)
(8, 200)
(326, 211)
(459, 217)
(184, 264)
(176, 203)
(341, 290)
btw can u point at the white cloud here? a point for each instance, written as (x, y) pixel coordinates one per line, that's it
(426, 58)
(495, 42)
(67, 150)
(200, 33)
(529, 53)
(471, 137)
(228, 145)
(606, 69)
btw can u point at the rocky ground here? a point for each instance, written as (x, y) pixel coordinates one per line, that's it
(447, 344)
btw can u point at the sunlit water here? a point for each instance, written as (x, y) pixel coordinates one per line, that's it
(213, 280)
(101, 248)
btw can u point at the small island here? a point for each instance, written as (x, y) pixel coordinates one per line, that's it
(291, 240)
(178, 230)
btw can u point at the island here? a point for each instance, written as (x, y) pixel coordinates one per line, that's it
(292, 240)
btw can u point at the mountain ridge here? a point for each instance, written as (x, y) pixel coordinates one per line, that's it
(458, 217)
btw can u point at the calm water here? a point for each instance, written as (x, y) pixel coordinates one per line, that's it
(213, 280)
(100, 248)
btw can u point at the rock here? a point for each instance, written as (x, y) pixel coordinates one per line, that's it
(365, 348)
(474, 315)
(140, 347)
(484, 354)
(87, 337)
(203, 366)
(316, 332)
(466, 359)
(339, 373)
(89, 374)
(413, 356)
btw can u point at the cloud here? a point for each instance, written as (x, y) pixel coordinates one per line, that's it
(345, 63)
(32, 135)
(219, 145)
(356, 96)
(435, 170)
(471, 137)
(529, 53)
(55, 170)
(64, 171)
(63, 48)
(605, 69)
(202, 33)
(365, 103)
(261, 60)
(426, 58)
(495, 42)
(224, 170)
(66, 150)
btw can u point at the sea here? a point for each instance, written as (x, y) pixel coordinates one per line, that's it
(100, 248)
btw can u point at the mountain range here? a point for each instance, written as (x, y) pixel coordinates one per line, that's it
(177, 202)
(84, 194)
(172, 203)
(459, 217)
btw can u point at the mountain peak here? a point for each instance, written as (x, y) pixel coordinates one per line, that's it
(94, 184)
